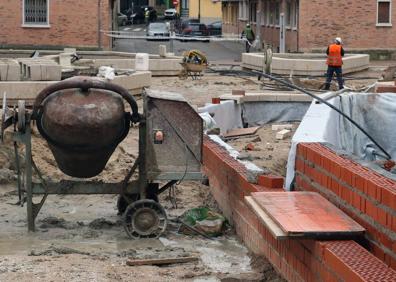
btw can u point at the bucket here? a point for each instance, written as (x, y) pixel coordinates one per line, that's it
(142, 62)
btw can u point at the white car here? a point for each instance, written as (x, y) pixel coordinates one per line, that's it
(170, 13)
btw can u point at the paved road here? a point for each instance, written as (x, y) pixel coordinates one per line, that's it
(215, 51)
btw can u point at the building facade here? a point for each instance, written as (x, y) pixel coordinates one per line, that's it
(304, 25)
(207, 11)
(56, 24)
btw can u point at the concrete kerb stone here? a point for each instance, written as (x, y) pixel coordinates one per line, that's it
(28, 90)
(303, 64)
(9, 70)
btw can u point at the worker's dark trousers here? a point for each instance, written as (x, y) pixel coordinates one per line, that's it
(330, 72)
(248, 44)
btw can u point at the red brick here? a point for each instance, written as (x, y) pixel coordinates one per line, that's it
(381, 216)
(385, 89)
(371, 210)
(271, 181)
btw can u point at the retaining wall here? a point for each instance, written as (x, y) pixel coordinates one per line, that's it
(365, 195)
(296, 260)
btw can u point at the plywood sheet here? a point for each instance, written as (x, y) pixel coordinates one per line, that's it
(305, 213)
(241, 131)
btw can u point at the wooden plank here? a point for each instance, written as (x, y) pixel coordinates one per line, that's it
(160, 261)
(241, 131)
(265, 219)
(306, 213)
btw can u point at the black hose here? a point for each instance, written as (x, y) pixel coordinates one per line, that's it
(290, 85)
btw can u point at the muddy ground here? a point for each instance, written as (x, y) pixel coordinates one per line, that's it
(81, 238)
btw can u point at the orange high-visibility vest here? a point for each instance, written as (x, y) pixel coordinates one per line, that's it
(334, 58)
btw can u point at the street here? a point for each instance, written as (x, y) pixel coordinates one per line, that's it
(215, 51)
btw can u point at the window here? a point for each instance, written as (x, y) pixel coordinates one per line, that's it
(295, 12)
(243, 10)
(384, 13)
(277, 13)
(35, 12)
(253, 12)
(289, 13)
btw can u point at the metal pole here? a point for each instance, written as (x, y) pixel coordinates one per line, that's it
(199, 10)
(28, 180)
(282, 44)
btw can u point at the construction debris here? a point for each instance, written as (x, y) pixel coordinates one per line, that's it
(283, 134)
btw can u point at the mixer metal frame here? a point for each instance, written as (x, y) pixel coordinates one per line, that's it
(140, 194)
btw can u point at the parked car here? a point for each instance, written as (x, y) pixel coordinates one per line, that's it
(139, 15)
(170, 14)
(181, 25)
(195, 30)
(215, 28)
(159, 29)
(122, 19)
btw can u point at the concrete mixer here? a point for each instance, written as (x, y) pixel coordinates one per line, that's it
(83, 120)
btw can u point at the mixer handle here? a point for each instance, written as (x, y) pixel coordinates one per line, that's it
(85, 83)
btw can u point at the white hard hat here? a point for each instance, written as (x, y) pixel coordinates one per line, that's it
(338, 39)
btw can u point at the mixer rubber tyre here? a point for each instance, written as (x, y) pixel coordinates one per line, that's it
(145, 219)
(122, 203)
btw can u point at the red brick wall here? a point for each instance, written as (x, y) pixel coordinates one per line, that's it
(72, 23)
(366, 196)
(354, 21)
(296, 260)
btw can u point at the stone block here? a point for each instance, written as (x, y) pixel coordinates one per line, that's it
(65, 60)
(277, 127)
(162, 50)
(238, 92)
(283, 134)
(9, 70)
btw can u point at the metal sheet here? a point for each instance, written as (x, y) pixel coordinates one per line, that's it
(179, 155)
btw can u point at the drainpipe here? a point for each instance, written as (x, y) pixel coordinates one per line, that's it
(99, 27)
(199, 10)
(259, 14)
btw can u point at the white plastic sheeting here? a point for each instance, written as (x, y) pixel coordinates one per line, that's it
(227, 115)
(376, 113)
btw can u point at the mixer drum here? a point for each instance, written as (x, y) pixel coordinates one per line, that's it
(83, 128)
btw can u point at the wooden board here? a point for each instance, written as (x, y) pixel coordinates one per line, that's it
(306, 214)
(164, 261)
(241, 131)
(265, 219)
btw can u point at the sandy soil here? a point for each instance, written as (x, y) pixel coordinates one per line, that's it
(268, 153)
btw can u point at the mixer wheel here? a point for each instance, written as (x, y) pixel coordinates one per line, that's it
(145, 219)
(124, 201)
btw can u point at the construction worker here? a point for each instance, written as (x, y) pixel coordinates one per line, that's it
(334, 52)
(250, 37)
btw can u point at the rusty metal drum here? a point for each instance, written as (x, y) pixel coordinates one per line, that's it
(82, 126)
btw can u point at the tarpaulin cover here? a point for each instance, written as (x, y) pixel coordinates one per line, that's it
(227, 115)
(376, 113)
(259, 113)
